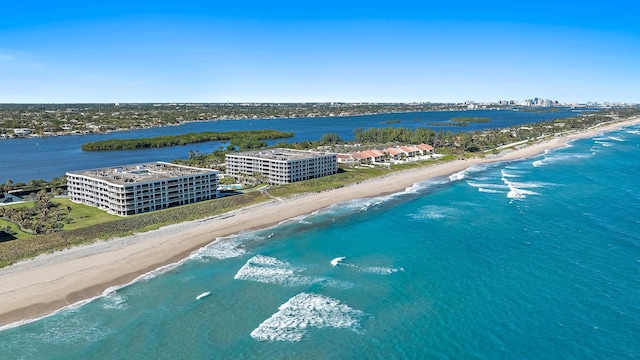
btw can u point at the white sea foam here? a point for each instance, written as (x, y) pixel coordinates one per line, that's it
(305, 311)
(461, 175)
(153, 273)
(491, 191)
(617, 138)
(527, 185)
(634, 131)
(603, 143)
(270, 270)
(223, 248)
(367, 269)
(362, 204)
(434, 212)
(487, 185)
(458, 176)
(517, 190)
(380, 270)
(414, 188)
(113, 300)
(554, 158)
(519, 194)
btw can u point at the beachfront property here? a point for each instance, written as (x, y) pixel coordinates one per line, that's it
(132, 189)
(392, 154)
(282, 166)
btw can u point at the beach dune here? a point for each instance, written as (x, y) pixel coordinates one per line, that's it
(39, 286)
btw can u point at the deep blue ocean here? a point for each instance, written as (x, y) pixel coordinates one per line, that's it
(27, 159)
(531, 259)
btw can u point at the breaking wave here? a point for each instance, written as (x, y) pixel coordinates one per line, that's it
(488, 187)
(305, 311)
(270, 270)
(113, 300)
(382, 270)
(224, 248)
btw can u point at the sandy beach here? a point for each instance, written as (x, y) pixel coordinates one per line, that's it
(39, 286)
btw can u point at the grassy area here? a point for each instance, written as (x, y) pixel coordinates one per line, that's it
(343, 178)
(84, 215)
(25, 204)
(7, 237)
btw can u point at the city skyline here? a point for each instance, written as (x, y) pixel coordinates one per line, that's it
(331, 52)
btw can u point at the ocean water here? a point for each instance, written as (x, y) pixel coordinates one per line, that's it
(531, 259)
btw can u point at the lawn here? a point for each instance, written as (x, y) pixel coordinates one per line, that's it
(6, 237)
(84, 215)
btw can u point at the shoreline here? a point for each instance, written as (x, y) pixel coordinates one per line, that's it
(40, 286)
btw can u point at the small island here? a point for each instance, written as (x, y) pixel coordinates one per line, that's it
(461, 121)
(243, 139)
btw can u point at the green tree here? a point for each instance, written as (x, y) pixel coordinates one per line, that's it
(330, 139)
(8, 185)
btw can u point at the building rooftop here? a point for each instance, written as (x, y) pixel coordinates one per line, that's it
(281, 154)
(138, 173)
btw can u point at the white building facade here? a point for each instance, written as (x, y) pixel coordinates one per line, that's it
(139, 188)
(282, 166)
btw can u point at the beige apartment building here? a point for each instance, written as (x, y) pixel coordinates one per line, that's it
(282, 166)
(138, 188)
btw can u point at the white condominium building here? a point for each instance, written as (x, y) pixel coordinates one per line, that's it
(281, 166)
(138, 188)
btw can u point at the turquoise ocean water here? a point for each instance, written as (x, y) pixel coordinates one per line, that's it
(532, 259)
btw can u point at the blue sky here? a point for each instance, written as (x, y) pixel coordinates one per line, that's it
(352, 51)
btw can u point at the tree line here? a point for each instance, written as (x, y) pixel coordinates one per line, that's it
(481, 140)
(243, 139)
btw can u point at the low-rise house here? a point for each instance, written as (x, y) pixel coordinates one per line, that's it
(364, 157)
(359, 158)
(375, 155)
(348, 159)
(425, 149)
(393, 153)
(410, 151)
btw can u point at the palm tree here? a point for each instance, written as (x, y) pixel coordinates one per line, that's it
(8, 185)
(43, 198)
